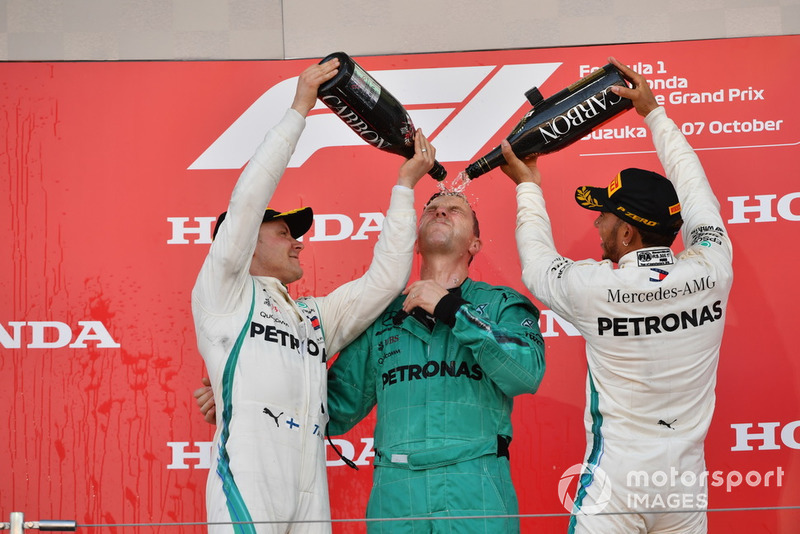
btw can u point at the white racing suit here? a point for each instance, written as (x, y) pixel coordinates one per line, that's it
(266, 354)
(653, 329)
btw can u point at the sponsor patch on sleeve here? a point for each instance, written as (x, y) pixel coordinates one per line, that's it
(559, 265)
(706, 235)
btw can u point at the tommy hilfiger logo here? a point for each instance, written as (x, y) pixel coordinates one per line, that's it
(657, 275)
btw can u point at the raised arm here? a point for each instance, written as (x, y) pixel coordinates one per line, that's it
(225, 270)
(703, 223)
(349, 309)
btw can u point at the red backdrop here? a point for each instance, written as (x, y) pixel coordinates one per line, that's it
(113, 172)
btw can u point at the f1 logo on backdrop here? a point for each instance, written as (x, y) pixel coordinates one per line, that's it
(469, 104)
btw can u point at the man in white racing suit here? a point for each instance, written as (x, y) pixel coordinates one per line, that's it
(266, 353)
(653, 328)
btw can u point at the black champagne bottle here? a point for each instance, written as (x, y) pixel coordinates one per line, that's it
(562, 119)
(370, 110)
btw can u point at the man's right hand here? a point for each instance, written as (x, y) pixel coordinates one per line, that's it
(518, 170)
(641, 95)
(412, 170)
(308, 83)
(205, 400)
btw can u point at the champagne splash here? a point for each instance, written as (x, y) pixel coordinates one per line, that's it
(459, 184)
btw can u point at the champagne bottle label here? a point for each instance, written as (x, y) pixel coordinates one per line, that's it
(364, 87)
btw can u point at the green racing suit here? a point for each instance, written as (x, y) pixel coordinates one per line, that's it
(444, 388)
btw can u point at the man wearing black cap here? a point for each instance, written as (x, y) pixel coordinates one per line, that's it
(653, 328)
(266, 352)
(442, 364)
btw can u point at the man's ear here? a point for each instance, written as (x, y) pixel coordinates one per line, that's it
(475, 246)
(632, 235)
(629, 232)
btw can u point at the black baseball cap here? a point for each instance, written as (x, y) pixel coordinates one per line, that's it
(299, 220)
(642, 198)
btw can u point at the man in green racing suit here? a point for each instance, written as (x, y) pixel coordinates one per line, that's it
(442, 364)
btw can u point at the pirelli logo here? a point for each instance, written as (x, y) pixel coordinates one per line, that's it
(675, 208)
(615, 185)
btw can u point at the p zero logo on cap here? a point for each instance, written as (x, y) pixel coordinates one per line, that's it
(629, 214)
(615, 185)
(675, 208)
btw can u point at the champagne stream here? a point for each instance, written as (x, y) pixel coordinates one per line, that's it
(458, 185)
